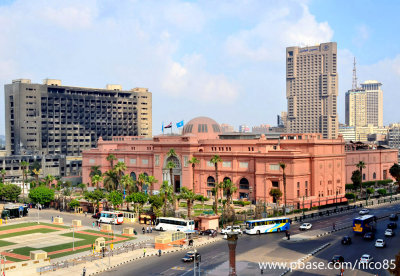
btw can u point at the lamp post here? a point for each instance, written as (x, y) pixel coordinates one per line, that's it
(336, 198)
(303, 205)
(4, 259)
(390, 188)
(194, 262)
(73, 238)
(232, 242)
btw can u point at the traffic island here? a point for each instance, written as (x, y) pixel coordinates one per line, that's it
(106, 228)
(58, 221)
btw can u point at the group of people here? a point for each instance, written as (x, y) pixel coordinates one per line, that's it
(149, 230)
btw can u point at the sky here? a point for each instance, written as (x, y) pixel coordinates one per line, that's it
(221, 59)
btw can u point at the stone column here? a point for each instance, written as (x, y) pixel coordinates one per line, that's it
(232, 241)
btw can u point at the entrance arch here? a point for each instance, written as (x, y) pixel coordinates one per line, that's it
(176, 173)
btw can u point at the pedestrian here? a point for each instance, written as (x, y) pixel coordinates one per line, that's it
(144, 231)
(334, 226)
(52, 219)
(151, 229)
(85, 214)
(93, 224)
(148, 230)
(144, 252)
(84, 271)
(159, 252)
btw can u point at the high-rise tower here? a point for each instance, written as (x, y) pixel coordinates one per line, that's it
(312, 89)
(373, 90)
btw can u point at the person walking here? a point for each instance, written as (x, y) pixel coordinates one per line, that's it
(151, 229)
(144, 231)
(159, 252)
(334, 226)
(84, 271)
(144, 252)
(148, 230)
(52, 219)
(93, 225)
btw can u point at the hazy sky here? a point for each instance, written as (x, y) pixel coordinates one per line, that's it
(222, 59)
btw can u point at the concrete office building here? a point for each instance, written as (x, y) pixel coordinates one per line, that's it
(52, 118)
(312, 89)
(356, 108)
(374, 104)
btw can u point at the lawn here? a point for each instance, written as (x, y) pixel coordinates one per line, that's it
(27, 224)
(15, 234)
(5, 243)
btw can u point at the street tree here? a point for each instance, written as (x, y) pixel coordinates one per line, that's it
(190, 197)
(94, 197)
(111, 158)
(216, 159)
(116, 198)
(356, 179)
(276, 194)
(156, 202)
(3, 175)
(96, 180)
(73, 204)
(138, 199)
(110, 180)
(94, 170)
(395, 172)
(167, 191)
(42, 195)
(282, 165)
(11, 191)
(151, 180)
(361, 165)
(194, 161)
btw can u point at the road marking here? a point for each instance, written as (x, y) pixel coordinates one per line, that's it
(178, 268)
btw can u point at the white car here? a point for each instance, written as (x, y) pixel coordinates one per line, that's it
(305, 226)
(364, 212)
(389, 233)
(366, 259)
(234, 228)
(380, 243)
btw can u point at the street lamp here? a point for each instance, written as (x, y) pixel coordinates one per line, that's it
(232, 238)
(4, 259)
(303, 204)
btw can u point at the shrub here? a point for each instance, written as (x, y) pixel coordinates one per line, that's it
(350, 196)
(349, 187)
(382, 192)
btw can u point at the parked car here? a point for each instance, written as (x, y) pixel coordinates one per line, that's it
(369, 236)
(305, 226)
(392, 225)
(337, 259)
(364, 211)
(234, 228)
(380, 243)
(96, 216)
(366, 259)
(346, 240)
(208, 232)
(393, 217)
(389, 233)
(189, 257)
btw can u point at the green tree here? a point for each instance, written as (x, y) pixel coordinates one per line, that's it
(42, 195)
(49, 179)
(11, 191)
(356, 179)
(116, 198)
(350, 196)
(82, 186)
(73, 204)
(151, 180)
(361, 165)
(229, 189)
(276, 194)
(156, 201)
(94, 170)
(111, 158)
(96, 179)
(382, 192)
(36, 173)
(110, 180)
(127, 182)
(119, 169)
(202, 199)
(24, 166)
(215, 160)
(142, 180)
(194, 161)
(395, 172)
(190, 197)
(167, 191)
(3, 175)
(282, 165)
(370, 191)
(138, 199)
(94, 197)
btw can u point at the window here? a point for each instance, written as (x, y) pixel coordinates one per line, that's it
(185, 161)
(274, 167)
(275, 184)
(306, 184)
(374, 175)
(298, 193)
(298, 184)
(132, 161)
(226, 164)
(121, 160)
(133, 176)
(363, 176)
(209, 164)
(306, 192)
(91, 161)
(244, 165)
(243, 184)
(157, 160)
(210, 181)
(145, 161)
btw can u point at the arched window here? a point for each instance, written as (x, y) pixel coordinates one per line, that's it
(244, 184)
(374, 176)
(133, 176)
(210, 181)
(226, 178)
(145, 174)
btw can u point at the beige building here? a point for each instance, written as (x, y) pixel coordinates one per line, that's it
(362, 133)
(356, 108)
(52, 118)
(312, 89)
(374, 98)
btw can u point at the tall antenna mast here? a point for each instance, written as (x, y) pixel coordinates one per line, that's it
(354, 86)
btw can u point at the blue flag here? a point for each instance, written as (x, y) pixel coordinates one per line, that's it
(162, 127)
(179, 124)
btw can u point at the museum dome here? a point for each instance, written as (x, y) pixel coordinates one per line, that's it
(203, 128)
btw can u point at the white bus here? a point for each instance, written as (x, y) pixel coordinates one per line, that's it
(111, 217)
(177, 224)
(267, 225)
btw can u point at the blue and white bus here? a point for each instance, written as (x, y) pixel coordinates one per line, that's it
(364, 224)
(267, 225)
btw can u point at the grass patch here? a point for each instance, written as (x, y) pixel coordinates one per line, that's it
(206, 207)
(13, 259)
(23, 251)
(5, 243)
(15, 234)
(15, 226)
(55, 225)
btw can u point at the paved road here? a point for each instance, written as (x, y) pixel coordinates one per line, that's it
(252, 249)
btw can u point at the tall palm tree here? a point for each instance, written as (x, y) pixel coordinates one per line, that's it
(171, 152)
(111, 158)
(119, 169)
(127, 182)
(24, 166)
(37, 172)
(194, 161)
(110, 180)
(142, 180)
(151, 180)
(94, 170)
(49, 179)
(190, 197)
(230, 189)
(215, 160)
(96, 179)
(171, 165)
(3, 174)
(167, 190)
(283, 167)
(361, 165)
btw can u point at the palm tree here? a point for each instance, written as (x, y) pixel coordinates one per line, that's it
(215, 160)
(24, 167)
(94, 170)
(96, 179)
(171, 152)
(229, 188)
(49, 179)
(151, 180)
(127, 182)
(171, 165)
(194, 161)
(142, 180)
(3, 174)
(283, 167)
(110, 180)
(111, 158)
(119, 169)
(167, 190)
(190, 197)
(36, 172)
(361, 166)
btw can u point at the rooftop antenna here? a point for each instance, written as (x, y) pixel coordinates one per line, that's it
(354, 86)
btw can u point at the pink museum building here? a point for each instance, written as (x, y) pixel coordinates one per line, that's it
(315, 167)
